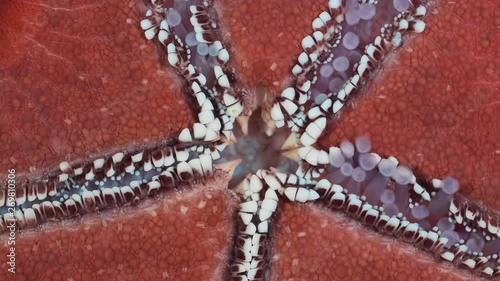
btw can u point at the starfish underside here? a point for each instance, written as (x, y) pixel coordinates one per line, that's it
(268, 144)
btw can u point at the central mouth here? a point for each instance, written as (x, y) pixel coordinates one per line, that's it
(255, 147)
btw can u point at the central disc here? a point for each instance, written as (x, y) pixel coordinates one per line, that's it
(253, 149)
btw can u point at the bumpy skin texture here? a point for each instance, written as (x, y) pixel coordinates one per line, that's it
(98, 42)
(436, 103)
(336, 248)
(266, 37)
(185, 237)
(79, 80)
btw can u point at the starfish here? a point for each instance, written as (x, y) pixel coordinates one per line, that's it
(255, 150)
(308, 185)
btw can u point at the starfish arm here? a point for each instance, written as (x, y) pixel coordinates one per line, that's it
(380, 193)
(125, 177)
(387, 196)
(260, 195)
(290, 108)
(217, 103)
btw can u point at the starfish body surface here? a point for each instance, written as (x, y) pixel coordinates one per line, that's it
(337, 177)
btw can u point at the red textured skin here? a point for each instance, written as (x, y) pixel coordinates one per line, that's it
(266, 58)
(314, 244)
(184, 237)
(435, 105)
(118, 126)
(81, 81)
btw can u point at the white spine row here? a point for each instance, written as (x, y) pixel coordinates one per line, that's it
(262, 191)
(336, 197)
(290, 105)
(317, 48)
(220, 105)
(474, 219)
(261, 194)
(461, 212)
(50, 198)
(371, 60)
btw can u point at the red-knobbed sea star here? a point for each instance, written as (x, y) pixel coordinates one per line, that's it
(66, 97)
